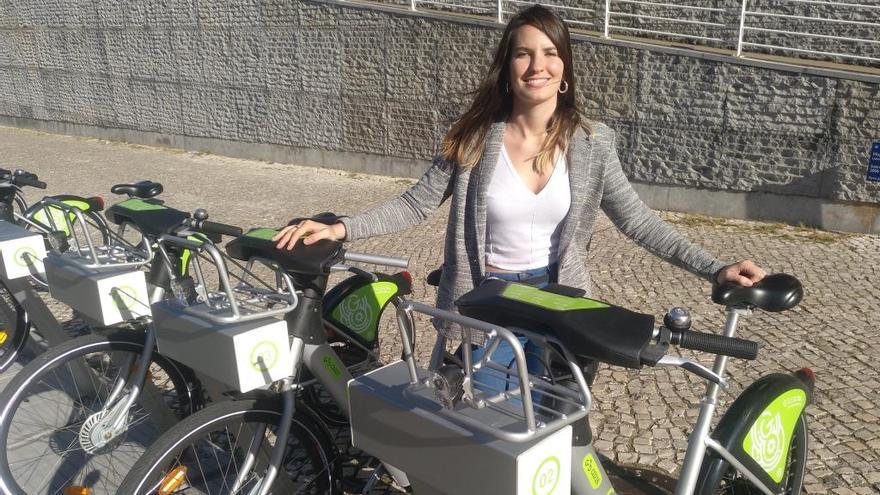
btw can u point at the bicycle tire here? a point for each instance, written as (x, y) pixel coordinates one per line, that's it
(14, 328)
(731, 482)
(38, 456)
(216, 431)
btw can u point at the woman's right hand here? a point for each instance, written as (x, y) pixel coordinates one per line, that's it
(310, 232)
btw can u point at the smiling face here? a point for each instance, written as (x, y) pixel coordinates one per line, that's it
(536, 69)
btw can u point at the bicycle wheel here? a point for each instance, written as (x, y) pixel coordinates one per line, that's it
(14, 328)
(48, 434)
(204, 454)
(732, 482)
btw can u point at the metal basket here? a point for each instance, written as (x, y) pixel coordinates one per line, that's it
(518, 411)
(238, 321)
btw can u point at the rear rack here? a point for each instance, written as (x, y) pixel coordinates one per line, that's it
(115, 254)
(524, 409)
(252, 297)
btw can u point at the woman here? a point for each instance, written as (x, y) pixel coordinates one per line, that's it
(526, 177)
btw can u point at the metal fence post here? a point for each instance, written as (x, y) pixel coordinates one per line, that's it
(742, 23)
(500, 13)
(607, 16)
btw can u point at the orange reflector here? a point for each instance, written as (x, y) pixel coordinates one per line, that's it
(77, 490)
(172, 480)
(3, 337)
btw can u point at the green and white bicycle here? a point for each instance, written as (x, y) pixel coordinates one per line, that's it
(440, 431)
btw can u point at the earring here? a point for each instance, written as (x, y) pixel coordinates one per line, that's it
(563, 91)
(507, 88)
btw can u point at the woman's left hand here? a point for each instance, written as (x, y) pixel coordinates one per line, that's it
(745, 273)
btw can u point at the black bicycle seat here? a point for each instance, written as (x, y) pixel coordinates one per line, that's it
(314, 259)
(586, 327)
(777, 292)
(143, 189)
(150, 216)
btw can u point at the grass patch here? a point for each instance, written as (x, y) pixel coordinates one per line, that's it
(799, 233)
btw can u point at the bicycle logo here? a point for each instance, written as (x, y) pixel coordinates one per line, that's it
(25, 256)
(356, 313)
(768, 441)
(546, 477)
(264, 355)
(124, 297)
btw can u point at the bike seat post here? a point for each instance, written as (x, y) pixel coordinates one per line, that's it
(697, 443)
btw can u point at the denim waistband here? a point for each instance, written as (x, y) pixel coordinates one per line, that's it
(538, 277)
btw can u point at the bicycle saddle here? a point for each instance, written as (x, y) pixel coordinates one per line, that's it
(586, 327)
(315, 259)
(143, 189)
(777, 292)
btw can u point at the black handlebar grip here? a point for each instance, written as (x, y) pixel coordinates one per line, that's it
(718, 344)
(24, 180)
(220, 228)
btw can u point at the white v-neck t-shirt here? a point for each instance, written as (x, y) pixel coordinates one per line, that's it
(522, 228)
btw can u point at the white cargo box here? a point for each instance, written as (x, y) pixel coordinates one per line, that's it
(106, 296)
(21, 251)
(244, 354)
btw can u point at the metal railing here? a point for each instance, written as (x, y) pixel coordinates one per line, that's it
(847, 8)
(844, 31)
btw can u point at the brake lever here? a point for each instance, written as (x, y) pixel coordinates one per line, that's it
(695, 368)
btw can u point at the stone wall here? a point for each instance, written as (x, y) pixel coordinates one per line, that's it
(310, 74)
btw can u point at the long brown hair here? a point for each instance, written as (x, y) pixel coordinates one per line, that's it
(466, 139)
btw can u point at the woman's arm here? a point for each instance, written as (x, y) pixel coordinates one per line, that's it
(394, 215)
(638, 222)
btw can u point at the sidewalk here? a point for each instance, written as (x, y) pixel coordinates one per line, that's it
(639, 416)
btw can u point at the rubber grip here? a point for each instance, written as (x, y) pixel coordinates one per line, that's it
(23, 180)
(220, 228)
(718, 344)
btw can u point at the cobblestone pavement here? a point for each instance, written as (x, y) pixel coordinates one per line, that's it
(639, 416)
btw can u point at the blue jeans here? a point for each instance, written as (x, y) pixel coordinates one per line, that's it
(495, 381)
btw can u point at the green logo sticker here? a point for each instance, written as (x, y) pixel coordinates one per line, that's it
(124, 297)
(331, 364)
(768, 440)
(549, 300)
(265, 234)
(25, 256)
(140, 205)
(264, 356)
(546, 477)
(592, 471)
(360, 310)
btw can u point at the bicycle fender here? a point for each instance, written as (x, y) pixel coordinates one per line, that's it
(356, 304)
(757, 430)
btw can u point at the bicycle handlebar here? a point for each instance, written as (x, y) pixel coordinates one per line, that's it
(376, 259)
(22, 178)
(716, 344)
(220, 228)
(28, 180)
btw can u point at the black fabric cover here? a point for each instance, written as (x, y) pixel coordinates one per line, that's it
(154, 221)
(611, 334)
(315, 259)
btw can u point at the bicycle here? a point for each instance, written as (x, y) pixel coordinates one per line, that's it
(86, 374)
(22, 310)
(415, 420)
(186, 391)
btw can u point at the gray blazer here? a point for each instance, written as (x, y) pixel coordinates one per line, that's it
(596, 181)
